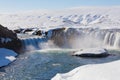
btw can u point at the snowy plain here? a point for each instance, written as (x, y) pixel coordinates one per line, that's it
(96, 17)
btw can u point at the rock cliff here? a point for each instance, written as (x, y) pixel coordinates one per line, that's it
(8, 39)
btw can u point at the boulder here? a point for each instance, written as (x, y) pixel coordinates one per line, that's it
(92, 52)
(38, 32)
(18, 30)
(21, 30)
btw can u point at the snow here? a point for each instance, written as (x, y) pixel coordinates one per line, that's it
(2, 40)
(91, 51)
(6, 56)
(100, 17)
(5, 40)
(8, 40)
(106, 71)
(11, 58)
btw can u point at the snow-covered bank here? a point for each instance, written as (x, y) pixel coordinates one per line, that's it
(106, 71)
(6, 56)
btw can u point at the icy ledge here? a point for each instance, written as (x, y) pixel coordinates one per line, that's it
(106, 71)
(6, 56)
(92, 52)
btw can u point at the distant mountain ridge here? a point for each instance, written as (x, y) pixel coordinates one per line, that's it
(98, 17)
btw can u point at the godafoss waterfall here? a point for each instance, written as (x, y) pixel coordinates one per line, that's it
(48, 52)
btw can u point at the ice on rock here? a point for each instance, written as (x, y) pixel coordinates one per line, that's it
(92, 52)
(5, 40)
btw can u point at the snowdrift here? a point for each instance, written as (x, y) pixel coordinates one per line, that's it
(6, 56)
(106, 71)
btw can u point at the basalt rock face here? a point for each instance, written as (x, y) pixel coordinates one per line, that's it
(8, 39)
(58, 36)
(74, 38)
(23, 30)
(88, 37)
(63, 37)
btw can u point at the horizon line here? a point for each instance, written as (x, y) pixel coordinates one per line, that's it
(17, 11)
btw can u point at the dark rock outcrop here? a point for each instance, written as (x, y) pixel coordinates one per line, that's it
(38, 32)
(58, 37)
(18, 30)
(78, 37)
(63, 37)
(23, 30)
(8, 39)
(92, 55)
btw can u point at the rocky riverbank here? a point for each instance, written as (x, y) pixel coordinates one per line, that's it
(9, 39)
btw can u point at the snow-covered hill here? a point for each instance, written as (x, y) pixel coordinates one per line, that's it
(107, 71)
(102, 17)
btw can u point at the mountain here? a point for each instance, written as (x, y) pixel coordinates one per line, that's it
(96, 17)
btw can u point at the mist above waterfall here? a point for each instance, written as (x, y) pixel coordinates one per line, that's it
(86, 42)
(48, 45)
(37, 43)
(78, 38)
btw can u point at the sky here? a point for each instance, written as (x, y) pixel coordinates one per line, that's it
(23, 5)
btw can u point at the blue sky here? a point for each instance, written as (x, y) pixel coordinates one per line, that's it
(22, 5)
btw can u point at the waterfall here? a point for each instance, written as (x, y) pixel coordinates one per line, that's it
(89, 36)
(112, 39)
(66, 38)
(117, 40)
(33, 43)
(106, 39)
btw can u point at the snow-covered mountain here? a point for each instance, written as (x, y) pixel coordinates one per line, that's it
(102, 17)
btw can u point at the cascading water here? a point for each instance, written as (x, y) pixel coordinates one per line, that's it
(66, 38)
(106, 39)
(33, 43)
(98, 37)
(117, 40)
(112, 39)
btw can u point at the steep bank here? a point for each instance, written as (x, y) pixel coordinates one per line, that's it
(86, 38)
(8, 39)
